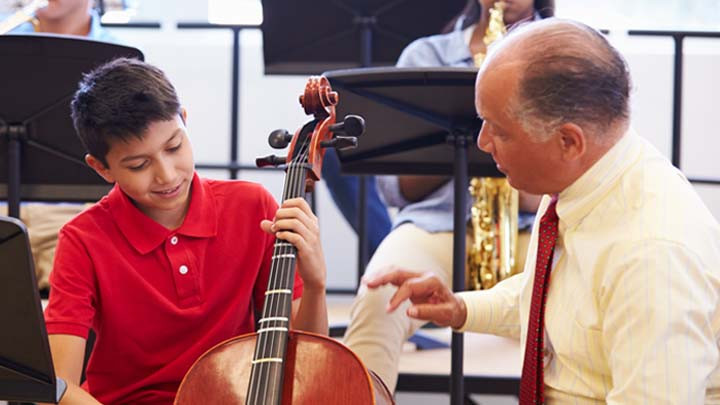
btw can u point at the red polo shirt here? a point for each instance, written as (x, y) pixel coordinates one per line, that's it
(158, 299)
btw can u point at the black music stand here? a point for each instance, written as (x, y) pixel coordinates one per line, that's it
(419, 121)
(312, 36)
(41, 157)
(26, 366)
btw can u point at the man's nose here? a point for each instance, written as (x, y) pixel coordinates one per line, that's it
(483, 140)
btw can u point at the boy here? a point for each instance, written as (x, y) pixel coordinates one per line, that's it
(167, 264)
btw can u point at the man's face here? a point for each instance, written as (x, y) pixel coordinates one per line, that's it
(59, 9)
(155, 171)
(528, 164)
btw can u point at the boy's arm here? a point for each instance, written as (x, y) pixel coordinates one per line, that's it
(309, 313)
(68, 353)
(295, 223)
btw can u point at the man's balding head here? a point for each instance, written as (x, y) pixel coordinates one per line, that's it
(567, 72)
(554, 98)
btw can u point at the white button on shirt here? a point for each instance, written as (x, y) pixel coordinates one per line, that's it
(174, 240)
(633, 306)
(183, 269)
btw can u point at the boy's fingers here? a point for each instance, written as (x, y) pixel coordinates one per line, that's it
(299, 204)
(266, 225)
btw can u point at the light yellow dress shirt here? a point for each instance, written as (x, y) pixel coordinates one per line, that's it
(633, 308)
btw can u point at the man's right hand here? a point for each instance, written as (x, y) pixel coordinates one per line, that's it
(431, 299)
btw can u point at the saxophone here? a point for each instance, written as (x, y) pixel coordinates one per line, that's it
(24, 15)
(494, 213)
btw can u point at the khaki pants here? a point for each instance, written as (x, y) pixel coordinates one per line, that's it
(373, 334)
(43, 222)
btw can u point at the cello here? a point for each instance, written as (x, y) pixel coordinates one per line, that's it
(277, 365)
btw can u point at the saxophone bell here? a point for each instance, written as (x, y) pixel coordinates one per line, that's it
(25, 14)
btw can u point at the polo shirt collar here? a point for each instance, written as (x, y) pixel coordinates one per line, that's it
(576, 201)
(144, 234)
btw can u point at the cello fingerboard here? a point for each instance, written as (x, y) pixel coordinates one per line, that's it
(266, 378)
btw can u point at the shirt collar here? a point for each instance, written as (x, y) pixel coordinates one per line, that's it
(144, 234)
(576, 201)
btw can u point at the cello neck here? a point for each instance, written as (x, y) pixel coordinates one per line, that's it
(266, 377)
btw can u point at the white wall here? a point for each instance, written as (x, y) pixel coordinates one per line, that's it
(198, 62)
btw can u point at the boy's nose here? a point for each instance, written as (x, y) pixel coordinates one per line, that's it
(165, 172)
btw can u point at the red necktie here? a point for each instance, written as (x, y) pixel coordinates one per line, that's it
(531, 382)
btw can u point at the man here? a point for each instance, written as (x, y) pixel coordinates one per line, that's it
(620, 298)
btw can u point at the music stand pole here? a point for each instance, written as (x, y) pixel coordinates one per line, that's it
(13, 134)
(366, 37)
(460, 141)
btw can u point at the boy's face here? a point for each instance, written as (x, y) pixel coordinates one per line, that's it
(155, 171)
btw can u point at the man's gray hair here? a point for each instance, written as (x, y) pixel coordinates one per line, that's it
(571, 74)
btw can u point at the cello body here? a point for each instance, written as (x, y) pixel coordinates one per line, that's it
(318, 370)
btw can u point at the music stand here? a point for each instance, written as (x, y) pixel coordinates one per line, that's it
(419, 121)
(312, 36)
(26, 366)
(41, 157)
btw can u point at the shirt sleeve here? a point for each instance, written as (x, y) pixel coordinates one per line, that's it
(658, 333)
(419, 53)
(73, 295)
(389, 187)
(496, 310)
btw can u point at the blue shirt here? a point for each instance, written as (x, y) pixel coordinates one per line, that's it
(435, 212)
(97, 32)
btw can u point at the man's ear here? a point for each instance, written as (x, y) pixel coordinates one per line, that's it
(573, 141)
(99, 168)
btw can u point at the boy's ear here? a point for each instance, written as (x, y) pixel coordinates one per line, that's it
(183, 115)
(99, 168)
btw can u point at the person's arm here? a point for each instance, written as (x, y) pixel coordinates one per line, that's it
(659, 300)
(68, 353)
(492, 311)
(295, 223)
(416, 188)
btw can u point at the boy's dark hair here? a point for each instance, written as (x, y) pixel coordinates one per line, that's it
(119, 100)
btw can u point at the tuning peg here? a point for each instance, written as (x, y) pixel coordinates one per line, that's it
(341, 142)
(352, 125)
(279, 138)
(270, 160)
